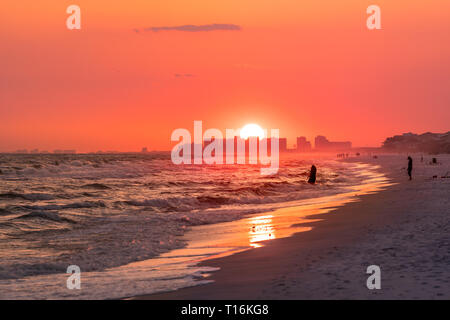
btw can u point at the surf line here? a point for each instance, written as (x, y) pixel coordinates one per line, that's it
(208, 148)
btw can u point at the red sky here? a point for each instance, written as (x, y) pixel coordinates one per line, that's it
(306, 67)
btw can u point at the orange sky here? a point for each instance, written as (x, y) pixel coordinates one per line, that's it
(306, 67)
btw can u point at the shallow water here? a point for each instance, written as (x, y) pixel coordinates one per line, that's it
(137, 224)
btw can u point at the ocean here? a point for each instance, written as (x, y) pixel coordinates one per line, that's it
(123, 218)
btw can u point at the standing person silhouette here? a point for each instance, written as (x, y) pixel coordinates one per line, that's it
(410, 165)
(312, 175)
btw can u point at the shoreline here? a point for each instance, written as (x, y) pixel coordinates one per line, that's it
(330, 261)
(240, 231)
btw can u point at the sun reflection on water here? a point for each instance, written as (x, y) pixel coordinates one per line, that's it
(261, 229)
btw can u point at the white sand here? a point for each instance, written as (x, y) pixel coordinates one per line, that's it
(412, 250)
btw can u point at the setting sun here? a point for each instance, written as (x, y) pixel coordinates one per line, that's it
(252, 130)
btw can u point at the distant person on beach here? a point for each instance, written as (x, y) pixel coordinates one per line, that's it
(312, 175)
(410, 167)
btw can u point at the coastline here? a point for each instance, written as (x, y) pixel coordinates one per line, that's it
(213, 233)
(394, 228)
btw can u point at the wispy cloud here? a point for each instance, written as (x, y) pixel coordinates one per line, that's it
(186, 75)
(193, 28)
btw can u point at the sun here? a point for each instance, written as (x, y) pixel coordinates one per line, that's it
(251, 130)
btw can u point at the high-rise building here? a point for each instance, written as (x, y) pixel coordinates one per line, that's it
(65, 151)
(282, 144)
(303, 145)
(323, 144)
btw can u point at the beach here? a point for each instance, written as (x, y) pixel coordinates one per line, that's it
(404, 229)
(137, 224)
(140, 228)
(253, 150)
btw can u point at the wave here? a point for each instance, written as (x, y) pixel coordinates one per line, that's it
(27, 196)
(107, 211)
(169, 203)
(98, 186)
(45, 215)
(19, 270)
(216, 200)
(4, 212)
(242, 196)
(75, 205)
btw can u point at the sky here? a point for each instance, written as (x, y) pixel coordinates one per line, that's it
(133, 74)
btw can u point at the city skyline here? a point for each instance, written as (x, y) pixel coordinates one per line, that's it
(283, 147)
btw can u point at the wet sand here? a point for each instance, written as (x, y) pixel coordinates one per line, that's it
(404, 229)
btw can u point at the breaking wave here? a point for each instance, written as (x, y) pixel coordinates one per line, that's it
(104, 211)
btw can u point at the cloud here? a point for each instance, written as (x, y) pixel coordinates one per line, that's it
(186, 75)
(193, 28)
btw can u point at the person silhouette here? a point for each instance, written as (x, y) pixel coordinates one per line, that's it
(410, 164)
(312, 175)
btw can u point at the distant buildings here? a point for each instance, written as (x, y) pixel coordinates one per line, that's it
(64, 151)
(433, 143)
(303, 145)
(34, 151)
(282, 144)
(323, 144)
